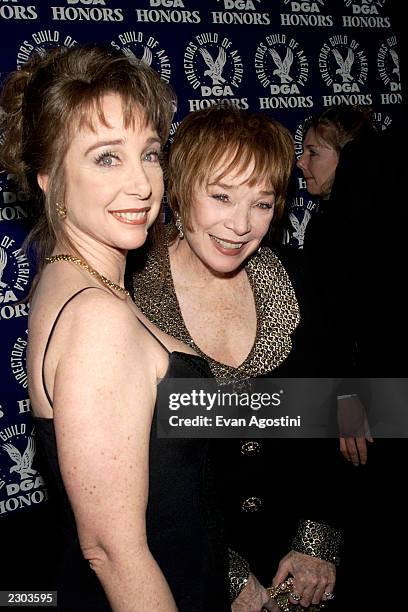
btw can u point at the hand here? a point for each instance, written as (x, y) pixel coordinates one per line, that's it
(354, 429)
(355, 449)
(312, 577)
(252, 598)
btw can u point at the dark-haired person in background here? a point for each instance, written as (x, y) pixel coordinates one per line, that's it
(328, 277)
(355, 260)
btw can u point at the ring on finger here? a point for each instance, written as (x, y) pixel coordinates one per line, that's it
(328, 596)
(295, 596)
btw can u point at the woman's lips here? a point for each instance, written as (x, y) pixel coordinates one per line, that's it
(227, 247)
(131, 216)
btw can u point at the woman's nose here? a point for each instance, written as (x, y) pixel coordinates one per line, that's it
(240, 221)
(139, 184)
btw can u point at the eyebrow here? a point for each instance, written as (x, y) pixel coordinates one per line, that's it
(225, 186)
(119, 141)
(316, 146)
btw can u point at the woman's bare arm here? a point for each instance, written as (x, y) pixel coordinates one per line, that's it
(104, 396)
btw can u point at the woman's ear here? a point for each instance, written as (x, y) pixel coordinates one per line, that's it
(42, 180)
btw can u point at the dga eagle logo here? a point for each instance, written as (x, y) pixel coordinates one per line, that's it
(299, 227)
(212, 65)
(309, 13)
(240, 5)
(147, 56)
(22, 462)
(365, 7)
(388, 64)
(365, 14)
(139, 46)
(21, 485)
(14, 276)
(241, 12)
(381, 121)
(306, 6)
(343, 64)
(301, 211)
(39, 43)
(281, 64)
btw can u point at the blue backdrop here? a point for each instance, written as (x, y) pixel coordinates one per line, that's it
(289, 59)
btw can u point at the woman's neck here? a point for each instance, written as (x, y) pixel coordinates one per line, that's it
(193, 271)
(106, 260)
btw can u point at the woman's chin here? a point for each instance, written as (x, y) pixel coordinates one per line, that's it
(227, 264)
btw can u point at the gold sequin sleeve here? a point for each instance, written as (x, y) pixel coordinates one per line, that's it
(318, 540)
(238, 573)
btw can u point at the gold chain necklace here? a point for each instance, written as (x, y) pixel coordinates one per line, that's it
(92, 272)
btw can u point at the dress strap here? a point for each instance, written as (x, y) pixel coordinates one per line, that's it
(52, 333)
(55, 324)
(154, 336)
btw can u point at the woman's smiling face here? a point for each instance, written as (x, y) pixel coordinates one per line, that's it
(228, 219)
(114, 181)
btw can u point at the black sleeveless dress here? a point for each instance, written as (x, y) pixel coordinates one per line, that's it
(184, 527)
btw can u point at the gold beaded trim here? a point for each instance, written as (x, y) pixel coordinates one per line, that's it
(238, 573)
(318, 540)
(80, 262)
(276, 306)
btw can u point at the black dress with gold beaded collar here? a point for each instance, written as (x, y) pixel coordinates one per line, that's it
(261, 519)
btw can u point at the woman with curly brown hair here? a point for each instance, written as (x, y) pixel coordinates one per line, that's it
(83, 130)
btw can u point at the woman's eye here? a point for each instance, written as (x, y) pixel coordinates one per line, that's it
(265, 205)
(107, 159)
(153, 156)
(221, 197)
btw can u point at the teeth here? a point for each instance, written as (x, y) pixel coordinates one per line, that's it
(228, 245)
(131, 216)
